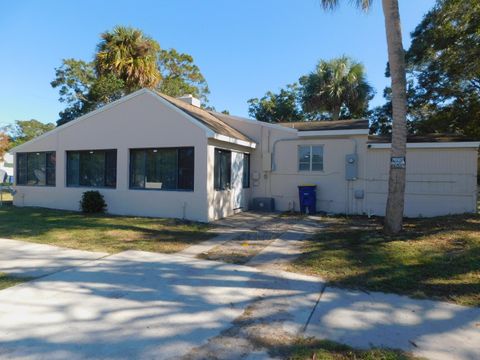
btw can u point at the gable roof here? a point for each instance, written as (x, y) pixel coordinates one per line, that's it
(320, 125)
(207, 118)
(202, 117)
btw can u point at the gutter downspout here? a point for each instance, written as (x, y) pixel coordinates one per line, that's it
(349, 182)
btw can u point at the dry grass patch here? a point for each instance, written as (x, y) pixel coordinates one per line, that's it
(104, 233)
(307, 349)
(242, 249)
(435, 258)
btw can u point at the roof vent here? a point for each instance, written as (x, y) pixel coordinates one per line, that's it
(190, 100)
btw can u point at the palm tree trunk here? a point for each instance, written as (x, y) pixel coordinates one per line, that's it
(336, 112)
(396, 58)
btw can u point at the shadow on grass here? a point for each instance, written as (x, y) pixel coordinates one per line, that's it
(8, 280)
(303, 349)
(98, 232)
(436, 258)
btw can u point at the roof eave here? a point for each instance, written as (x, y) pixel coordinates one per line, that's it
(235, 141)
(348, 132)
(426, 145)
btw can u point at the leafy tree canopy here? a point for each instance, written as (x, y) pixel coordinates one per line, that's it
(444, 73)
(26, 130)
(337, 89)
(281, 107)
(180, 75)
(126, 60)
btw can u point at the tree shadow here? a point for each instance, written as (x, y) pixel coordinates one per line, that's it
(134, 305)
(433, 258)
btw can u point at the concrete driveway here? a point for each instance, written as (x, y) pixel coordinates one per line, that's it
(34, 260)
(138, 305)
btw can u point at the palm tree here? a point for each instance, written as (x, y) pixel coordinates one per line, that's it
(130, 56)
(335, 86)
(396, 59)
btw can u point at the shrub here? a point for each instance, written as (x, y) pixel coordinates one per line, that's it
(93, 202)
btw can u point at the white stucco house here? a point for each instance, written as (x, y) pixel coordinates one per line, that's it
(153, 155)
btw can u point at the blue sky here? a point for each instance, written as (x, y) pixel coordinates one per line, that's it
(243, 48)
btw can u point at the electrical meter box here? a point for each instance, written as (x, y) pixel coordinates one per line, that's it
(351, 167)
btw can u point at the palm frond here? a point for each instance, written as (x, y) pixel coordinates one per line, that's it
(333, 4)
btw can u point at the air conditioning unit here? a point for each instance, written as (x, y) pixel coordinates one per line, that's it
(263, 204)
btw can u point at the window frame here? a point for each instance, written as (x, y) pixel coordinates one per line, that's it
(217, 184)
(177, 148)
(105, 169)
(246, 172)
(47, 168)
(310, 160)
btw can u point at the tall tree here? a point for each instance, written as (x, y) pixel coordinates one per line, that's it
(180, 75)
(129, 55)
(281, 107)
(338, 88)
(26, 130)
(444, 60)
(82, 90)
(396, 58)
(126, 61)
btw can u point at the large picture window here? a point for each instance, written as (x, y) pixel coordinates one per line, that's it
(36, 168)
(222, 169)
(310, 158)
(162, 168)
(92, 168)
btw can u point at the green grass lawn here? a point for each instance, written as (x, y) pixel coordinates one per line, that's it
(105, 233)
(7, 281)
(436, 258)
(304, 349)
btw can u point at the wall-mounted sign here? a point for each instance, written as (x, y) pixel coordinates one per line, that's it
(397, 162)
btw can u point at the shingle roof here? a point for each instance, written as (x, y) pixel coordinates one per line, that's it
(206, 118)
(436, 138)
(327, 125)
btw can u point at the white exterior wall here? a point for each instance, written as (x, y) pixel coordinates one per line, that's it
(139, 122)
(439, 181)
(334, 193)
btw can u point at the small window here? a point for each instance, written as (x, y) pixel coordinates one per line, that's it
(162, 168)
(310, 158)
(222, 169)
(92, 168)
(36, 168)
(246, 171)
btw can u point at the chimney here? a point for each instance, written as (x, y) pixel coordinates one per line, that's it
(190, 100)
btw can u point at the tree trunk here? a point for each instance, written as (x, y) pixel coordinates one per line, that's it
(336, 112)
(396, 58)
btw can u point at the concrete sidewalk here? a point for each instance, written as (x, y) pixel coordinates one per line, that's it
(430, 329)
(28, 259)
(229, 229)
